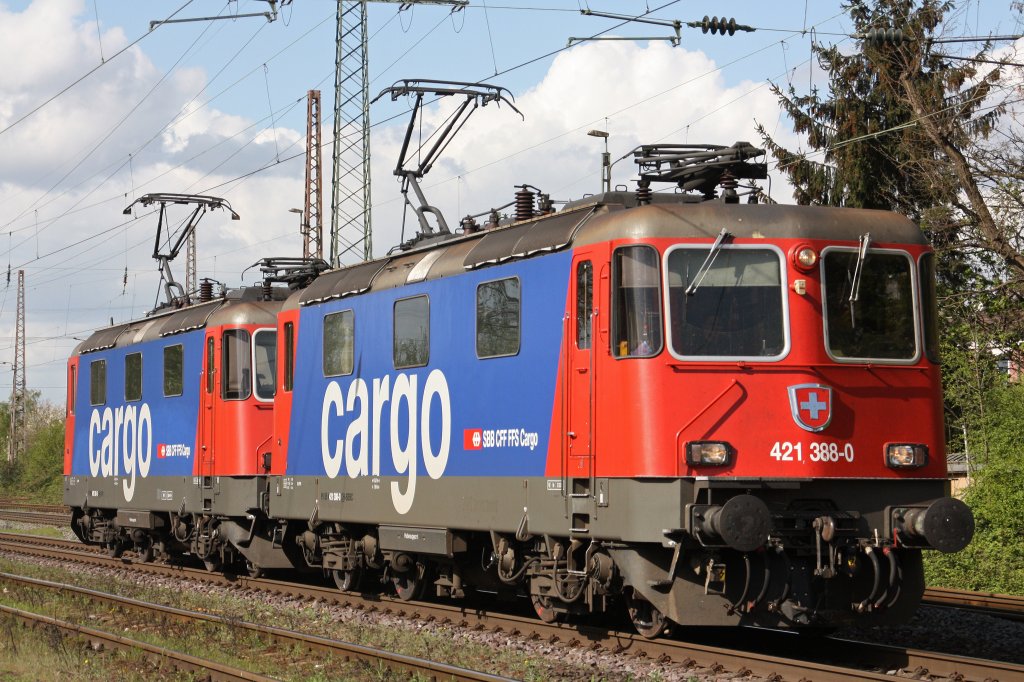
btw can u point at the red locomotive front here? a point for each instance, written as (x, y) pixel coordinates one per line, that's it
(772, 358)
(780, 365)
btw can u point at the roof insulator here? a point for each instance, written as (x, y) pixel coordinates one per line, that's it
(715, 25)
(885, 36)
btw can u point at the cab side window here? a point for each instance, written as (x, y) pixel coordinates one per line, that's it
(72, 387)
(584, 303)
(211, 356)
(289, 356)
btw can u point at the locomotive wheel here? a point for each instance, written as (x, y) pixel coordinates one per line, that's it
(410, 584)
(116, 549)
(146, 555)
(544, 610)
(212, 565)
(646, 618)
(349, 581)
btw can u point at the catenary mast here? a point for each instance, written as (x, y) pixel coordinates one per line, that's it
(351, 225)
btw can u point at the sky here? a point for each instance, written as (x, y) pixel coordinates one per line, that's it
(97, 109)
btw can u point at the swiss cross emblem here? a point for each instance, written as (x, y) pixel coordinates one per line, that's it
(811, 405)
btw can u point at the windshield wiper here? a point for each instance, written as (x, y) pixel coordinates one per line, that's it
(705, 267)
(858, 270)
(858, 273)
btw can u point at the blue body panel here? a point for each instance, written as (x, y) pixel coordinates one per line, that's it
(154, 436)
(499, 409)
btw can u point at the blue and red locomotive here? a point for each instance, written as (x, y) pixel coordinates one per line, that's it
(709, 411)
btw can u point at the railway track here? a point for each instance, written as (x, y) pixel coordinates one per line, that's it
(1002, 605)
(149, 612)
(42, 518)
(32, 507)
(769, 654)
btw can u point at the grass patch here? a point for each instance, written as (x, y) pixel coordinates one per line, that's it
(42, 531)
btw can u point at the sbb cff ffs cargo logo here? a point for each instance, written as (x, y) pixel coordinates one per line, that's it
(165, 450)
(811, 406)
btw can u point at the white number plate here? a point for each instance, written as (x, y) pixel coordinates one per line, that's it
(785, 451)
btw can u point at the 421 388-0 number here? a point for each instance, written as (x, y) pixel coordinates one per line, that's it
(785, 451)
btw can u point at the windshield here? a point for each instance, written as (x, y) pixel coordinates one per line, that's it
(636, 313)
(879, 324)
(736, 312)
(265, 351)
(236, 367)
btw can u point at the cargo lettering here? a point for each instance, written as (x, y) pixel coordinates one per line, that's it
(360, 449)
(121, 439)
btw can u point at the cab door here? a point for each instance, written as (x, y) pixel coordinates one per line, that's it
(579, 366)
(69, 419)
(287, 327)
(208, 410)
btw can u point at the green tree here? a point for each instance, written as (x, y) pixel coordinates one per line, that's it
(43, 464)
(38, 473)
(994, 561)
(871, 152)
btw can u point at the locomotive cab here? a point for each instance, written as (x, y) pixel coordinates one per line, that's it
(172, 453)
(238, 388)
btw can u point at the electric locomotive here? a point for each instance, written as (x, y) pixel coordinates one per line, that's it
(710, 412)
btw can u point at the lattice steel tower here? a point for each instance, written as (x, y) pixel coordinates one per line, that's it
(312, 222)
(351, 226)
(16, 433)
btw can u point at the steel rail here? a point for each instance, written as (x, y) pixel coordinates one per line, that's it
(767, 653)
(99, 638)
(40, 518)
(347, 650)
(1002, 605)
(17, 505)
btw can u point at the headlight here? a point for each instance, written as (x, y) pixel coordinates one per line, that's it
(804, 257)
(906, 455)
(708, 453)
